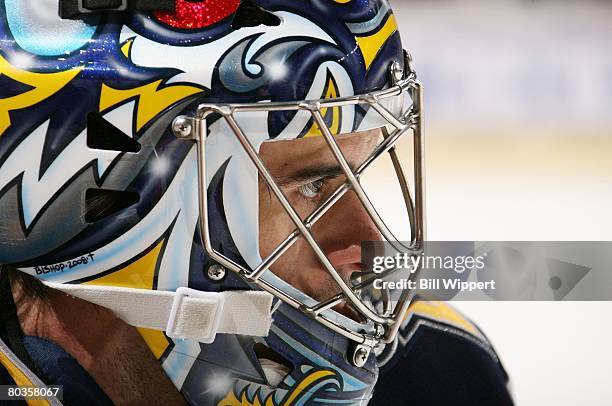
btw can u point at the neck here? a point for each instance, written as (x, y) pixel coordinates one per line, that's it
(112, 352)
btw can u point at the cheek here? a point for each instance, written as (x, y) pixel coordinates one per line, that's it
(274, 223)
(264, 221)
(299, 267)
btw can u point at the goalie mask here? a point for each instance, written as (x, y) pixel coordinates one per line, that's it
(220, 163)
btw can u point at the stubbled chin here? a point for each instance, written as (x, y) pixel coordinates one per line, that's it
(331, 290)
(326, 287)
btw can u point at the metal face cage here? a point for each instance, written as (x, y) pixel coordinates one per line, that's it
(386, 323)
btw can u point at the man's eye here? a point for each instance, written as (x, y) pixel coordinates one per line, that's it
(312, 189)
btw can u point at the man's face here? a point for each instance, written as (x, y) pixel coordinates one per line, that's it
(308, 174)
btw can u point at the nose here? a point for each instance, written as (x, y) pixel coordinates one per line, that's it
(346, 261)
(342, 230)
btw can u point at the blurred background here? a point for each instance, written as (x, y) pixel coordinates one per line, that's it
(518, 104)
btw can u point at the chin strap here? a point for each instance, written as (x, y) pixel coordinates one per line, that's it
(186, 313)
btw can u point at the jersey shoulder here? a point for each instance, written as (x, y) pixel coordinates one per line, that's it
(440, 315)
(440, 357)
(14, 373)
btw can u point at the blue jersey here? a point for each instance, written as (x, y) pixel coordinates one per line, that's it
(440, 358)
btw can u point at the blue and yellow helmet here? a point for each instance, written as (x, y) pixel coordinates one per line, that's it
(129, 160)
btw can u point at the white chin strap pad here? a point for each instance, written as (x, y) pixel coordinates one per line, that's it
(186, 313)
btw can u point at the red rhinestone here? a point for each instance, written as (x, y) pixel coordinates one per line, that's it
(194, 16)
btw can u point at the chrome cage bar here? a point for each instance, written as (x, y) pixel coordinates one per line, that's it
(194, 128)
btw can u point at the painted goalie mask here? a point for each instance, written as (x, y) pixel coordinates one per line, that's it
(220, 162)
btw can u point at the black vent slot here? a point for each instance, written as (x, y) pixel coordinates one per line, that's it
(262, 351)
(102, 203)
(250, 14)
(103, 135)
(71, 8)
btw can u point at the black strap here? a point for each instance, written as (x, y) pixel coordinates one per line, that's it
(249, 14)
(69, 9)
(101, 5)
(10, 329)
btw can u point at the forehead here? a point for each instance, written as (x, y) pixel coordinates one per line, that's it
(314, 150)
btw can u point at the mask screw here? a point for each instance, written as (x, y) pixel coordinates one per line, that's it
(360, 356)
(397, 73)
(182, 128)
(216, 272)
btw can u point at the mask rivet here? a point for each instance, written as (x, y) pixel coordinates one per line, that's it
(182, 128)
(360, 356)
(216, 272)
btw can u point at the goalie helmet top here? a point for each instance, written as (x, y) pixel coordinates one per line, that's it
(131, 157)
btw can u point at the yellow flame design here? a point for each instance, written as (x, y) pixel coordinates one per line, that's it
(44, 86)
(294, 395)
(151, 98)
(331, 92)
(242, 400)
(372, 44)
